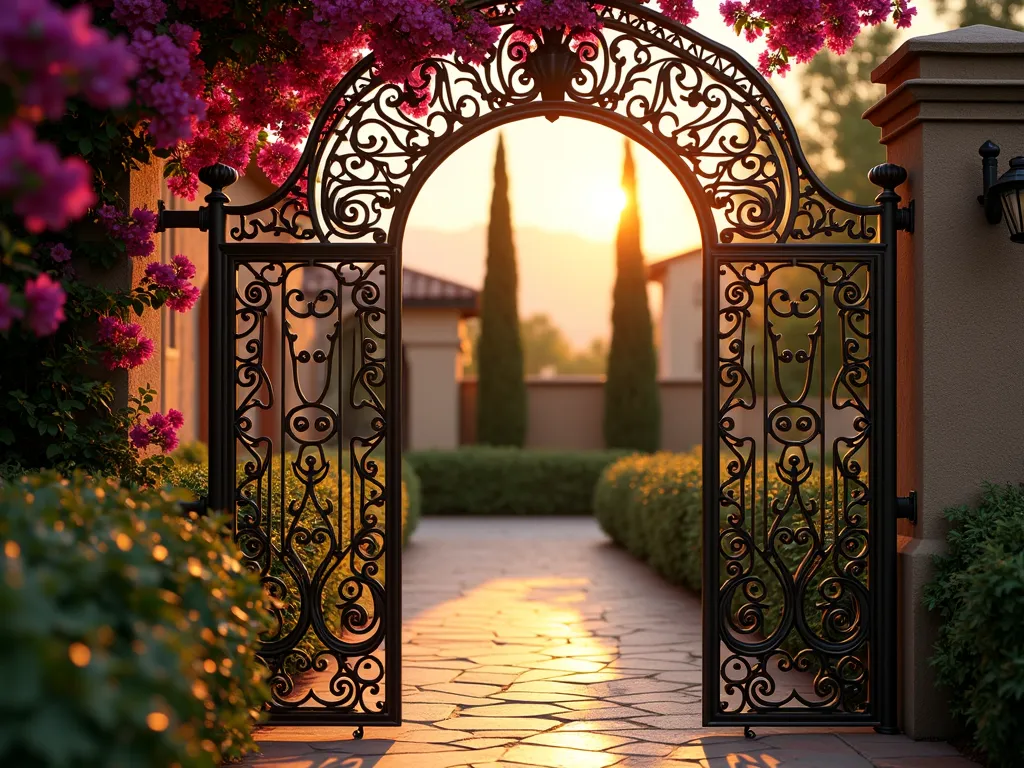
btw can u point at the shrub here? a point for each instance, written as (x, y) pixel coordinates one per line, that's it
(651, 505)
(194, 452)
(978, 591)
(194, 477)
(128, 630)
(482, 480)
(312, 550)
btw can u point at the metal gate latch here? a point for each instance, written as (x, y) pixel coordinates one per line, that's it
(906, 507)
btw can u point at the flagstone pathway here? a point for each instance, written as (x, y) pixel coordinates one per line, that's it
(535, 642)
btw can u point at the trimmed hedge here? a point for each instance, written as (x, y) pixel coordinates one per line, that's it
(128, 630)
(193, 477)
(483, 480)
(978, 592)
(314, 550)
(651, 505)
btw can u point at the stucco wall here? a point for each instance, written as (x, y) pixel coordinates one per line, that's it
(679, 353)
(960, 282)
(568, 412)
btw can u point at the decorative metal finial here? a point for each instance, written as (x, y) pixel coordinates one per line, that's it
(218, 176)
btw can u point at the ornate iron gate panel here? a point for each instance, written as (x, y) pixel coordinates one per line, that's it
(305, 354)
(318, 479)
(799, 539)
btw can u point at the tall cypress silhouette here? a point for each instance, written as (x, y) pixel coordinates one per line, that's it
(632, 411)
(501, 397)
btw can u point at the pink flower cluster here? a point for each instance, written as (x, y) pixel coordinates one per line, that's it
(48, 191)
(573, 16)
(174, 278)
(399, 32)
(126, 347)
(136, 230)
(171, 76)
(159, 430)
(171, 81)
(796, 30)
(222, 138)
(277, 160)
(44, 300)
(48, 54)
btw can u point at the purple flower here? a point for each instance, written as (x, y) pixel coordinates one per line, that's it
(45, 298)
(55, 54)
(126, 346)
(60, 253)
(136, 230)
(48, 191)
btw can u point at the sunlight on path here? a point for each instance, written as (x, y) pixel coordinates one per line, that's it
(534, 642)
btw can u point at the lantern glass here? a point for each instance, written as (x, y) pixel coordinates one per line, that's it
(1013, 213)
(1009, 191)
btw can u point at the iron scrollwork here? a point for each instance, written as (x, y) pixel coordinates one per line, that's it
(312, 501)
(794, 359)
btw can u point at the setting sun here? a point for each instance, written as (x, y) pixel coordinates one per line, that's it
(609, 201)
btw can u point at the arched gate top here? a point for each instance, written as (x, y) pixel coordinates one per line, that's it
(698, 106)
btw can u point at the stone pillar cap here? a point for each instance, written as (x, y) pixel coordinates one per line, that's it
(975, 40)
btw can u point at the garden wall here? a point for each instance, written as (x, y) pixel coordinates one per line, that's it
(567, 413)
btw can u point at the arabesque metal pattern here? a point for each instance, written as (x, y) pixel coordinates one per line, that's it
(799, 340)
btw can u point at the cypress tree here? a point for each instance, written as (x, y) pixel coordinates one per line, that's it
(632, 411)
(501, 394)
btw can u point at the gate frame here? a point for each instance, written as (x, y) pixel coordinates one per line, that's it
(885, 507)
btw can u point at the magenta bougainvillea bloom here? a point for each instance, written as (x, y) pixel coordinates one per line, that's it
(565, 15)
(45, 299)
(9, 312)
(277, 160)
(126, 346)
(136, 230)
(48, 191)
(134, 14)
(175, 278)
(60, 253)
(795, 30)
(160, 430)
(55, 53)
(170, 83)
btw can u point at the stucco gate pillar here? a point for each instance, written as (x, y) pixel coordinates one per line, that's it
(961, 309)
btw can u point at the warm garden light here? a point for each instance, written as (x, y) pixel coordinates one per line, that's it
(1002, 197)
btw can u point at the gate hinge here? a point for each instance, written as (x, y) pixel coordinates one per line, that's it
(906, 507)
(905, 218)
(170, 219)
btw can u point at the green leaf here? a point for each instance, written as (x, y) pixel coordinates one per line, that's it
(85, 146)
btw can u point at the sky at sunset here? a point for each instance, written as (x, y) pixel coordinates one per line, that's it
(565, 179)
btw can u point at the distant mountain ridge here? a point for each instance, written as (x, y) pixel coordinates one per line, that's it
(561, 274)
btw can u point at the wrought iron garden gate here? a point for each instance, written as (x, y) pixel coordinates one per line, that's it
(799, 350)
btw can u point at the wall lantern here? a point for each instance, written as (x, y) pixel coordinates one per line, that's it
(1002, 197)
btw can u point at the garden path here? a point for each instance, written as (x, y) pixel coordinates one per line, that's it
(535, 642)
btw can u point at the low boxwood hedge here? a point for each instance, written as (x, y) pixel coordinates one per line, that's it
(651, 505)
(314, 550)
(128, 630)
(482, 480)
(978, 591)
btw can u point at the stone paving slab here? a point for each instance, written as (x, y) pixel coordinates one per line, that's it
(535, 642)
